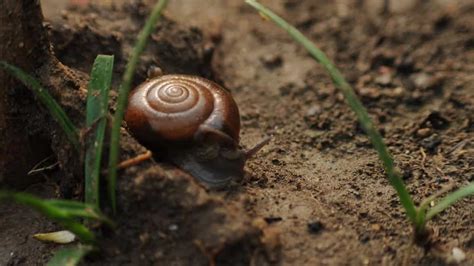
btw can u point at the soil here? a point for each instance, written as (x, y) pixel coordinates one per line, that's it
(317, 193)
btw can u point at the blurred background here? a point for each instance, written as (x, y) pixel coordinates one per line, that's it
(53, 8)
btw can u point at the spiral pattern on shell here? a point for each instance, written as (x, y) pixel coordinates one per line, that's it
(177, 107)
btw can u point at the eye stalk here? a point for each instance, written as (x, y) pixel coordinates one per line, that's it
(250, 153)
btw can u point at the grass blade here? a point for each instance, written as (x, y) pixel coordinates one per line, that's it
(353, 102)
(427, 201)
(45, 98)
(96, 120)
(62, 211)
(69, 256)
(123, 97)
(450, 199)
(76, 209)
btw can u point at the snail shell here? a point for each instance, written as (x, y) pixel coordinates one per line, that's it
(193, 121)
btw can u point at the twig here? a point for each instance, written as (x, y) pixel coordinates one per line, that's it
(36, 170)
(135, 160)
(132, 161)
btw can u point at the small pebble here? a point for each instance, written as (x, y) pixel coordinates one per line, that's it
(423, 132)
(173, 227)
(313, 110)
(365, 261)
(422, 80)
(154, 71)
(397, 92)
(369, 92)
(384, 79)
(431, 143)
(376, 227)
(458, 255)
(144, 237)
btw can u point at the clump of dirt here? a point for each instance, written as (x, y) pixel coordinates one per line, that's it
(82, 33)
(317, 194)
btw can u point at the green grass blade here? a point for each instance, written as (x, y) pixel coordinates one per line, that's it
(79, 230)
(53, 107)
(424, 205)
(450, 199)
(38, 204)
(96, 121)
(69, 256)
(76, 209)
(62, 211)
(54, 213)
(123, 97)
(69, 204)
(353, 102)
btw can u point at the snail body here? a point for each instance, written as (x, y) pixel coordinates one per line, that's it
(193, 122)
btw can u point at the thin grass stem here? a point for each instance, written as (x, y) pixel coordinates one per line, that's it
(70, 256)
(353, 102)
(47, 100)
(450, 199)
(124, 90)
(59, 214)
(96, 119)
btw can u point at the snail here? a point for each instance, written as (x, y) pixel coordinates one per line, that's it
(194, 123)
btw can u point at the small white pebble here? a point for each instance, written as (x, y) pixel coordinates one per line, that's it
(365, 261)
(458, 255)
(173, 227)
(313, 110)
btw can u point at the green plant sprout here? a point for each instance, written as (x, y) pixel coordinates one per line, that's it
(101, 76)
(96, 121)
(97, 106)
(417, 216)
(66, 212)
(47, 100)
(124, 90)
(70, 256)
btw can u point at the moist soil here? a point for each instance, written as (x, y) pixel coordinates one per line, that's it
(317, 193)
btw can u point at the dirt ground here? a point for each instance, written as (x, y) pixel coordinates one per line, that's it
(318, 185)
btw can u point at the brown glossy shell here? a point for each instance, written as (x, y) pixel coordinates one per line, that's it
(179, 108)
